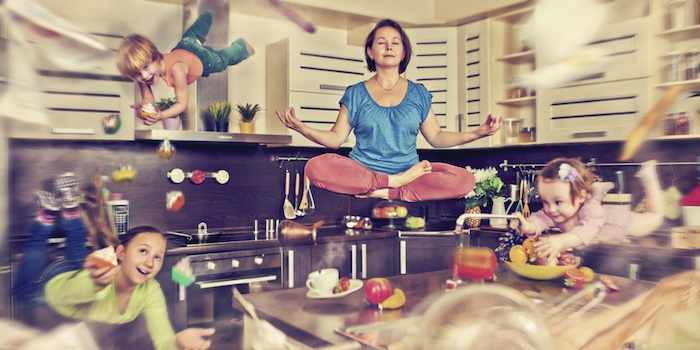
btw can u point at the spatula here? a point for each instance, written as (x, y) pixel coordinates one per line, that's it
(287, 206)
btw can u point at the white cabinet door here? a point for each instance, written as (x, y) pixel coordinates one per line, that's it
(434, 64)
(318, 111)
(473, 86)
(592, 112)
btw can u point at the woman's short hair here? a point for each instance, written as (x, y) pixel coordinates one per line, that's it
(408, 50)
(134, 53)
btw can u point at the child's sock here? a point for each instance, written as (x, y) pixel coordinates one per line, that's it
(71, 213)
(600, 189)
(647, 171)
(48, 205)
(45, 217)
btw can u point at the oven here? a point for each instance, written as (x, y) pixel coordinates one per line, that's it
(250, 267)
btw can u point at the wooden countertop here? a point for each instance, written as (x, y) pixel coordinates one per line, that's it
(313, 322)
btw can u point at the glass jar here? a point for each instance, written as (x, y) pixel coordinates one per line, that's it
(670, 124)
(682, 124)
(692, 64)
(673, 62)
(527, 134)
(677, 14)
(517, 91)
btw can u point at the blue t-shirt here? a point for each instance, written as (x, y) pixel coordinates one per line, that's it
(386, 136)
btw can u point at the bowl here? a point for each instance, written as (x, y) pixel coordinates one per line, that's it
(539, 272)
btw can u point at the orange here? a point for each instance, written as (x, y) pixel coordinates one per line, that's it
(518, 255)
(529, 243)
(588, 272)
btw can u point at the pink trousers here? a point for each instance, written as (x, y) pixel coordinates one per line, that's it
(344, 175)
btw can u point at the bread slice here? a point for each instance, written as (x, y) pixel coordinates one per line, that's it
(105, 257)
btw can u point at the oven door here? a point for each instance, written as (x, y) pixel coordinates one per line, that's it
(210, 299)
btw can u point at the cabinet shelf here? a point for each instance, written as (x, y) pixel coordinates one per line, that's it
(519, 57)
(687, 84)
(685, 33)
(518, 102)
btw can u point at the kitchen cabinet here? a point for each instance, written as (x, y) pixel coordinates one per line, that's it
(311, 77)
(358, 259)
(424, 254)
(296, 266)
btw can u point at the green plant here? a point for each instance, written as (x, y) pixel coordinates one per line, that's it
(167, 102)
(220, 111)
(488, 185)
(248, 111)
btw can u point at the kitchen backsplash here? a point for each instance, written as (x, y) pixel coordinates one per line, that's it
(256, 187)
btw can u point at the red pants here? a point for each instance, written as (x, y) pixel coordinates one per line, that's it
(344, 175)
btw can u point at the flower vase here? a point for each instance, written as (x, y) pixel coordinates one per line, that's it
(246, 127)
(171, 124)
(473, 222)
(499, 208)
(221, 126)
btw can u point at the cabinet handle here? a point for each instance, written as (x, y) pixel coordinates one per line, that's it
(182, 295)
(460, 120)
(583, 135)
(364, 260)
(634, 271)
(332, 87)
(233, 282)
(77, 131)
(290, 269)
(402, 257)
(353, 261)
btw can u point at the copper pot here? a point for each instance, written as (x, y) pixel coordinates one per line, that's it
(293, 233)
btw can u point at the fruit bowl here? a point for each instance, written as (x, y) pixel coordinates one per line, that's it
(539, 272)
(390, 213)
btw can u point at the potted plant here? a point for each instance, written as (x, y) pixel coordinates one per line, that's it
(174, 122)
(487, 186)
(220, 111)
(247, 114)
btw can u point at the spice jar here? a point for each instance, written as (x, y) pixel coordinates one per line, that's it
(673, 62)
(692, 63)
(682, 124)
(515, 90)
(527, 134)
(670, 124)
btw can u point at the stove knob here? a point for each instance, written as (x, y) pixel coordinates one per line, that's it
(235, 263)
(211, 266)
(258, 260)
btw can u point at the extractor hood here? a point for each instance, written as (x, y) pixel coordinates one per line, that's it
(211, 136)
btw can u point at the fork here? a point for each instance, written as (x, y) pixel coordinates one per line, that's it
(524, 192)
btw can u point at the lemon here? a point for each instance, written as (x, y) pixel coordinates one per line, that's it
(518, 255)
(588, 272)
(395, 301)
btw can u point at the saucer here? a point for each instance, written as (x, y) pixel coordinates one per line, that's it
(354, 286)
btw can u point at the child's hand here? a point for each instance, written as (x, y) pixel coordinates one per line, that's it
(194, 338)
(100, 276)
(147, 119)
(549, 246)
(522, 225)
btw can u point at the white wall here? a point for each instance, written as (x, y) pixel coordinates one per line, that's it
(247, 79)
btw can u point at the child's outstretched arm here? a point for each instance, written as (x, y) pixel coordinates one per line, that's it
(552, 245)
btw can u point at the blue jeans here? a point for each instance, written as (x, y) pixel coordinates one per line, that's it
(34, 269)
(213, 61)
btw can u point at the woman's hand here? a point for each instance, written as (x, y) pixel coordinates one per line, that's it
(194, 338)
(102, 277)
(521, 224)
(490, 126)
(290, 120)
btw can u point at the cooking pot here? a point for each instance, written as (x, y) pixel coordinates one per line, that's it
(293, 233)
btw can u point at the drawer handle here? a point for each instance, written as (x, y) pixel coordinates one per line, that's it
(75, 131)
(331, 87)
(582, 135)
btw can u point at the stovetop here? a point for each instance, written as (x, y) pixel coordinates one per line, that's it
(224, 235)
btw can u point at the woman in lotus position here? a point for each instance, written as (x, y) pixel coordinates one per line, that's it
(386, 113)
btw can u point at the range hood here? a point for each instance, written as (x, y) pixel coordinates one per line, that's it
(211, 136)
(205, 91)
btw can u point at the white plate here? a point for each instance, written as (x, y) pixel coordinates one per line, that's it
(354, 286)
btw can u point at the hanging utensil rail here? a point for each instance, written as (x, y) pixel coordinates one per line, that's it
(592, 163)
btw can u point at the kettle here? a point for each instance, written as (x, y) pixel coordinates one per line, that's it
(294, 233)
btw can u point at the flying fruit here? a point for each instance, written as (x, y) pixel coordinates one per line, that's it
(395, 301)
(477, 263)
(518, 255)
(377, 290)
(590, 275)
(574, 278)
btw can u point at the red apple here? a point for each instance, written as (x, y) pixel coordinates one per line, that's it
(377, 290)
(377, 212)
(476, 262)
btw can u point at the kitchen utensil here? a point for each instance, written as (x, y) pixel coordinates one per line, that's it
(312, 204)
(297, 188)
(304, 204)
(204, 236)
(287, 206)
(293, 233)
(524, 193)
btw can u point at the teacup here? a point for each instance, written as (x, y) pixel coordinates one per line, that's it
(323, 282)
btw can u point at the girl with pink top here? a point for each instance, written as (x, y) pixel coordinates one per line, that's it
(571, 200)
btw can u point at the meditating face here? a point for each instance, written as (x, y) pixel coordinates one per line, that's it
(387, 48)
(556, 199)
(142, 257)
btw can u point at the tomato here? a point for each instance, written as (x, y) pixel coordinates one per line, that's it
(377, 290)
(476, 262)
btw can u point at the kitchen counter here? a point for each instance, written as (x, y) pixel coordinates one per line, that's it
(312, 322)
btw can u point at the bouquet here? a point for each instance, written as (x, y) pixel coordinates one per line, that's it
(488, 185)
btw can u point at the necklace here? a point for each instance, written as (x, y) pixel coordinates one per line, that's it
(392, 87)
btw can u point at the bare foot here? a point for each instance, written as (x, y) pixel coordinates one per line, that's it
(381, 194)
(414, 172)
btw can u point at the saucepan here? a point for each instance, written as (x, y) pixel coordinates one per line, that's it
(294, 233)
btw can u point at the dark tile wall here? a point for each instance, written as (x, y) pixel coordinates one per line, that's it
(256, 188)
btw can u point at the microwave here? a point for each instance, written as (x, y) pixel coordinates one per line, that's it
(120, 213)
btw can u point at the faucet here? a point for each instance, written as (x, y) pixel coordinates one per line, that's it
(459, 226)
